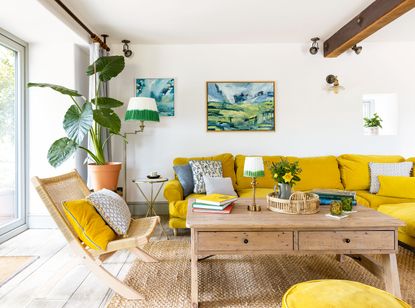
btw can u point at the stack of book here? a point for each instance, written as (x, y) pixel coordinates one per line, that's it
(328, 195)
(214, 203)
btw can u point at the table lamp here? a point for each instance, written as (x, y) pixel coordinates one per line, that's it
(254, 168)
(139, 109)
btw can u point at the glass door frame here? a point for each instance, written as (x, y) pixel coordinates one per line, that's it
(21, 132)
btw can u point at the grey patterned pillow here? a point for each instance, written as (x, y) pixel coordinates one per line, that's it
(112, 209)
(390, 169)
(200, 168)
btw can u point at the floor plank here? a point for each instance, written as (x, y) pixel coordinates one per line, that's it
(77, 289)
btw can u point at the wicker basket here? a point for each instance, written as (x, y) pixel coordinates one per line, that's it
(299, 203)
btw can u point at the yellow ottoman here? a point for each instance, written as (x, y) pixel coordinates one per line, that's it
(338, 294)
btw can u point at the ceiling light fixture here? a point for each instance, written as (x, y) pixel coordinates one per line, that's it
(357, 49)
(314, 47)
(126, 49)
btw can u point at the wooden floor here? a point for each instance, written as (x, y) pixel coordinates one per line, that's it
(77, 289)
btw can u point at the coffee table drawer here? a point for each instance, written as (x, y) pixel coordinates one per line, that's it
(245, 241)
(338, 240)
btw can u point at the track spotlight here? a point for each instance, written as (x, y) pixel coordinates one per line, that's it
(357, 49)
(314, 47)
(126, 49)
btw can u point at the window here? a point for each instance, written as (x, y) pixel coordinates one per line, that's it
(12, 136)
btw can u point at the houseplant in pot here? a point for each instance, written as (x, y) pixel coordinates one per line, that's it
(89, 117)
(286, 175)
(373, 124)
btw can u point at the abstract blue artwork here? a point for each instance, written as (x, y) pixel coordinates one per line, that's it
(240, 106)
(161, 89)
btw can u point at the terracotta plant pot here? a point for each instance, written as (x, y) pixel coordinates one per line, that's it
(104, 176)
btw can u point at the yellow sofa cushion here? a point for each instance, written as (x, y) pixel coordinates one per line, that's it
(397, 186)
(404, 212)
(318, 172)
(259, 193)
(354, 169)
(228, 166)
(265, 182)
(364, 197)
(340, 294)
(88, 224)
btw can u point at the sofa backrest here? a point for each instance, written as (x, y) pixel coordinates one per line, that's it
(318, 172)
(354, 168)
(244, 182)
(228, 165)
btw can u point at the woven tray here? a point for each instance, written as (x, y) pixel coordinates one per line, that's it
(300, 203)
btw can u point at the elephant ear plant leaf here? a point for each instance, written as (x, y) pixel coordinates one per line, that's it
(88, 117)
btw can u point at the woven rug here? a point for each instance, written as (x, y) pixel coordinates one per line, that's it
(243, 281)
(11, 266)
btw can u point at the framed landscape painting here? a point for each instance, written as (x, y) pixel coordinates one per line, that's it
(161, 89)
(240, 105)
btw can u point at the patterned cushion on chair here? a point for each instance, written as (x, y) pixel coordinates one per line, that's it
(113, 210)
(200, 168)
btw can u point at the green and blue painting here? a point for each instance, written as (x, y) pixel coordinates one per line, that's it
(161, 89)
(240, 106)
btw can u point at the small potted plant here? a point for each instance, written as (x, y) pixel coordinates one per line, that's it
(373, 124)
(285, 175)
(89, 117)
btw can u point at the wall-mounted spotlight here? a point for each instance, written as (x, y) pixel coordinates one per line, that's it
(314, 47)
(357, 49)
(333, 84)
(126, 49)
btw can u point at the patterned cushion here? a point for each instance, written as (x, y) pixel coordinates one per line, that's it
(112, 209)
(390, 169)
(200, 168)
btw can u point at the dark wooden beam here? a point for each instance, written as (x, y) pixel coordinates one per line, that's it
(374, 17)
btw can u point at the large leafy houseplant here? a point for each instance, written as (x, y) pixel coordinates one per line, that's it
(88, 116)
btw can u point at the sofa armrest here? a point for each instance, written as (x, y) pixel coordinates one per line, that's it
(173, 191)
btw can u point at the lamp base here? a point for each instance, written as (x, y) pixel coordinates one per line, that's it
(254, 208)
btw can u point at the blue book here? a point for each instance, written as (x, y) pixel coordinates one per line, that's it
(324, 201)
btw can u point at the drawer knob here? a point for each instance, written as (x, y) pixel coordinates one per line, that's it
(246, 241)
(347, 240)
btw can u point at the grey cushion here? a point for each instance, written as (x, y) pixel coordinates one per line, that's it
(112, 209)
(389, 169)
(185, 176)
(204, 167)
(218, 185)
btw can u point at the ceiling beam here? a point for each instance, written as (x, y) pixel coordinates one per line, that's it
(374, 17)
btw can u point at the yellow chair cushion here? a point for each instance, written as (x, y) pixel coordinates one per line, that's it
(88, 224)
(259, 193)
(339, 294)
(226, 159)
(404, 212)
(318, 172)
(397, 186)
(265, 182)
(354, 169)
(364, 197)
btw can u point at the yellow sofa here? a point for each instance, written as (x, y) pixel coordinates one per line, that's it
(347, 171)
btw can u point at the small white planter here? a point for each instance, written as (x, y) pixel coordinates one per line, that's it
(372, 131)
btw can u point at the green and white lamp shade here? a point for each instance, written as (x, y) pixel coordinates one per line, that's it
(254, 167)
(142, 109)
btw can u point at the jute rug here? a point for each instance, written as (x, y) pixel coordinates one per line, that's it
(243, 281)
(11, 266)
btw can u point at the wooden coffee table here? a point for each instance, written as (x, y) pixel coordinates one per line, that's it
(266, 232)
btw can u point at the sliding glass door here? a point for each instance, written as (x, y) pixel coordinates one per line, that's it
(12, 136)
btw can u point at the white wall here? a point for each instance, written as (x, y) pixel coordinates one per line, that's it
(51, 63)
(309, 121)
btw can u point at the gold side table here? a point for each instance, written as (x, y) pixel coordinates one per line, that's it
(151, 199)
